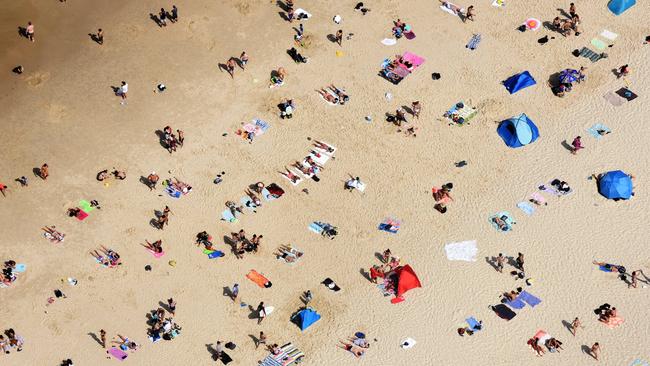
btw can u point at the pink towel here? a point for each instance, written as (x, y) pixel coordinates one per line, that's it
(413, 58)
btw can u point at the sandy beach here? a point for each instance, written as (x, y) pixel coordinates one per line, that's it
(62, 111)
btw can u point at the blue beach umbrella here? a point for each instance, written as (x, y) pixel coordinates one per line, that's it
(615, 185)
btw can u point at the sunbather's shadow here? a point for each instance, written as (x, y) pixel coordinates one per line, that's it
(512, 261)
(222, 67)
(238, 62)
(586, 349)
(554, 80)
(212, 351)
(144, 180)
(615, 72)
(37, 172)
(283, 15)
(567, 325)
(379, 256)
(165, 306)
(564, 13)
(22, 31)
(93, 37)
(154, 223)
(493, 262)
(254, 314)
(365, 274)
(116, 89)
(95, 338)
(157, 213)
(408, 110)
(567, 146)
(255, 340)
(549, 25)
(161, 138)
(282, 5)
(331, 38)
(155, 18)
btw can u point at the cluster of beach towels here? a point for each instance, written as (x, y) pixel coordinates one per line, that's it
(506, 310)
(268, 193)
(320, 154)
(288, 355)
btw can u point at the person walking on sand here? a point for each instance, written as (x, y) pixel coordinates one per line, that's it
(99, 37)
(595, 350)
(339, 37)
(416, 108)
(243, 59)
(520, 261)
(174, 14)
(623, 71)
(171, 304)
(44, 172)
(29, 31)
(575, 324)
(124, 88)
(163, 17)
(230, 67)
(3, 188)
(152, 180)
(635, 277)
(234, 293)
(577, 145)
(102, 337)
(260, 340)
(261, 312)
(500, 260)
(572, 10)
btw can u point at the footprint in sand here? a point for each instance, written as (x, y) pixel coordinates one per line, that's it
(56, 112)
(243, 7)
(37, 79)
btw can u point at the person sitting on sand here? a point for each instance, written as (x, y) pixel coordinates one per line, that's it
(562, 186)
(44, 172)
(554, 345)
(557, 23)
(576, 145)
(352, 184)
(500, 222)
(74, 212)
(155, 247)
(152, 180)
(103, 175)
(119, 174)
(356, 351)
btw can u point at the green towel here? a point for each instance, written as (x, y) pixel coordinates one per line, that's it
(85, 206)
(598, 44)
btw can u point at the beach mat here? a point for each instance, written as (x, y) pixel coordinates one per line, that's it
(315, 228)
(82, 215)
(474, 42)
(85, 206)
(516, 303)
(504, 312)
(117, 353)
(330, 284)
(614, 99)
(409, 35)
(216, 254)
(591, 55)
(608, 35)
(640, 362)
(529, 299)
(227, 216)
(526, 207)
(462, 251)
(627, 94)
(593, 130)
(259, 279)
(598, 44)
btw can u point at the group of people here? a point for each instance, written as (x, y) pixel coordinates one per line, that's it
(242, 245)
(334, 95)
(10, 340)
(162, 323)
(9, 272)
(171, 140)
(233, 61)
(389, 262)
(106, 257)
(566, 26)
(163, 15)
(117, 174)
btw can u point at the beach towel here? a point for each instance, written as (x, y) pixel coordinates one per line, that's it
(608, 35)
(20, 267)
(330, 284)
(474, 42)
(505, 216)
(639, 362)
(526, 207)
(549, 188)
(462, 251)
(464, 113)
(216, 254)
(248, 203)
(529, 299)
(504, 312)
(318, 157)
(389, 41)
(85, 206)
(598, 44)
(538, 197)
(499, 3)
(409, 35)
(330, 153)
(413, 58)
(302, 13)
(259, 279)
(593, 130)
(390, 225)
(315, 227)
(117, 353)
(627, 94)
(615, 99)
(614, 322)
(591, 55)
(408, 343)
(173, 193)
(474, 324)
(227, 216)
(447, 7)
(516, 303)
(156, 255)
(297, 174)
(82, 215)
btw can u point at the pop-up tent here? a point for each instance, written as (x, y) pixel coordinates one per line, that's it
(518, 131)
(615, 185)
(619, 6)
(405, 280)
(517, 82)
(305, 318)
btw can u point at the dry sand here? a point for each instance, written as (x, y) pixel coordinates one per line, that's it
(62, 111)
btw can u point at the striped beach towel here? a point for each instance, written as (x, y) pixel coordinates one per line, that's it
(474, 42)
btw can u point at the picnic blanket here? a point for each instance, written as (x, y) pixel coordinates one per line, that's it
(529, 299)
(503, 312)
(259, 279)
(462, 251)
(593, 130)
(474, 42)
(591, 55)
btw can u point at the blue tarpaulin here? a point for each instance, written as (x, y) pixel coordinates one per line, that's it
(519, 81)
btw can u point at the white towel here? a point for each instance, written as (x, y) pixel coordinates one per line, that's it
(609, 35)
(408, 343)
(389, 41)
(462, 251)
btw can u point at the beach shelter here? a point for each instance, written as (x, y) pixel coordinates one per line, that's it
(518, 131)
(517, 82)
(306, 317)
(406, 280)
(619, 6)
(615, 185)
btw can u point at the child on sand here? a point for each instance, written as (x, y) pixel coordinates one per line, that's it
(44, 172)
(577, 145)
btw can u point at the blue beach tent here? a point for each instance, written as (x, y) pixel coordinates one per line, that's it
(619, 6)
(518, 131)
(305, 318)
(519, 81)
(615, 185)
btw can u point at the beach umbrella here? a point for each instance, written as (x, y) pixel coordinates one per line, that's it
(568, 76)
(615, 185)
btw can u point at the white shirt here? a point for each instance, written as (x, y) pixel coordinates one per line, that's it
(124, 88)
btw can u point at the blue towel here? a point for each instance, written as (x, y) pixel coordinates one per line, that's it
(388, 228)
(474, 42)
(267, 195)
(263, 125)
(529, 299)
(315, 228)
(526, 207)
(226, 215)
(173, 192)
(473, 324)
(593, 130)
(516, 303)
(216, 254)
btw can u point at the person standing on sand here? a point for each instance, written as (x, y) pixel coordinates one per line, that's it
(174, 15)
(416, 108)
(124, 88)
(339, 37)
(3, 188)
(230, 67)
(595, 350)
(234, 294)
(575, 324)
(29, 31)
(152, 179)
(243, 59)
(163, 17)
(623, 71)
(500, 260)
(260, 340)
(261, 312)
(172, 306)
(100, 36)
(572, 10)
(102, 337)
(520, 261)
(577, 145)
(44, 172)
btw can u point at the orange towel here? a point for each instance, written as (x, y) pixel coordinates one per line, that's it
(258, 278)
